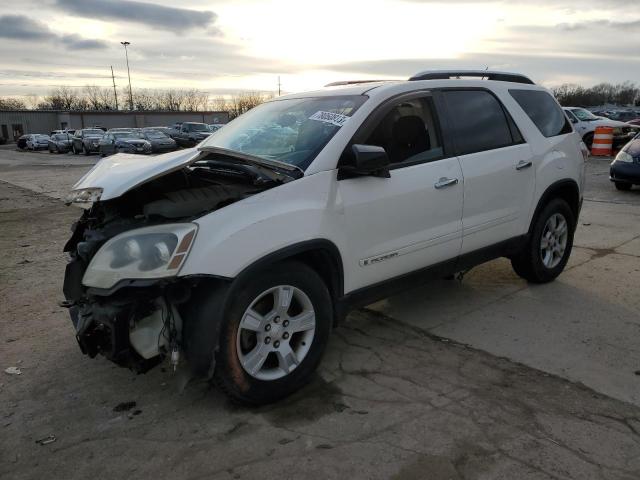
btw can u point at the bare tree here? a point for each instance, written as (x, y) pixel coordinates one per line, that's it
(626, 93)
(9, 103)
(245, 101)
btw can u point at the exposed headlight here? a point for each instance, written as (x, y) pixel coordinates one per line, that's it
(624, 157)
(84, 195)
(150, 252)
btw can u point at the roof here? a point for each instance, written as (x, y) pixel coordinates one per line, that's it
(392, 87)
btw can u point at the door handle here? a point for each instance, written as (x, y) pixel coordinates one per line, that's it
(445, 182)
(522, 165)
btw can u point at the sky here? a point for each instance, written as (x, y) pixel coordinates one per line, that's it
(226, 46)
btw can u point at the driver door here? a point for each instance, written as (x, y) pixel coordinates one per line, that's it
(413, 219)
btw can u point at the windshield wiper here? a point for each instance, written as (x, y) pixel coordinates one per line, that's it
(282, 168)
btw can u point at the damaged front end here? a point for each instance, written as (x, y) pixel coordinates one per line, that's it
(122, 283)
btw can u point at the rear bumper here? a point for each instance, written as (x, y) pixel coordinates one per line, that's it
(624, 172)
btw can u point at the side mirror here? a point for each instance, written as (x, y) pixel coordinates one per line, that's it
(370, 160)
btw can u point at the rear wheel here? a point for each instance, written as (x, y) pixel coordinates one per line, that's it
(85, 150)
(273, 335)
(623, 186)
(547, 251)
(74, 149)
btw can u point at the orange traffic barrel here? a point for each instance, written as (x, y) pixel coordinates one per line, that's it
(602, 142)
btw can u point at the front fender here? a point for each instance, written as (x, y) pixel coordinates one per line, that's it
(231, 239)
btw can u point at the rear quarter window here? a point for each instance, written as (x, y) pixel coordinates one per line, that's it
(480, 121)
(543, 111)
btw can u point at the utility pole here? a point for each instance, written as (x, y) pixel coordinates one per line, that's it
(126, 54)
(278, 85)
(115, 92)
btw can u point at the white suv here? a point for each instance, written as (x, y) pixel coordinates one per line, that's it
(240, 255)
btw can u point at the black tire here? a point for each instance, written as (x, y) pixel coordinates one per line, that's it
(528, 263)
(229, 374)
(588, 140)
(85, 150)
(74, 149)
(50, 150)
(623, 186)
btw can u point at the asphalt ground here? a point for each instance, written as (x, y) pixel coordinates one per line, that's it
(487, 378)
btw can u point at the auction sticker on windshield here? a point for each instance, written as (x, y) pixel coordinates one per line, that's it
(328, 117)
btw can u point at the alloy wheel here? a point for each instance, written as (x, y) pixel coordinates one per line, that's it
(553, 242)
(276, 332)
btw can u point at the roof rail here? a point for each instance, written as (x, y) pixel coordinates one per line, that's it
(488, 74)
(352, 82)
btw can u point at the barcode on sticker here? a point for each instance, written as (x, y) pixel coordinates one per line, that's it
(328, 117)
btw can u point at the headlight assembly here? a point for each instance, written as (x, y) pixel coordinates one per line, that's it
(150, 252)
(84, 195)
(624, 157)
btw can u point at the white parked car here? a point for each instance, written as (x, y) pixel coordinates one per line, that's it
(585, 123)
(239, 256)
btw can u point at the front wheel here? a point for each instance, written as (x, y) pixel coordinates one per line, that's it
(85, 150)
(549, 246)
(273, 335)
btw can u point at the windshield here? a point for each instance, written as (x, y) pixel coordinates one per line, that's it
(92, 133)
(61, 136)
(584, 115)
(119, 135)
(196, 127)
(154, 134)
(292, 131)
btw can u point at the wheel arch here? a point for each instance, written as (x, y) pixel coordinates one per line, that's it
(321, 255)
(566, 189)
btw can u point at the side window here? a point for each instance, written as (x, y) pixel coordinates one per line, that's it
(479, 121)
(409, 133)
(543, 110)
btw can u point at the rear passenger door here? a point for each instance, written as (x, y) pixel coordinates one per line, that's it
(496, 163)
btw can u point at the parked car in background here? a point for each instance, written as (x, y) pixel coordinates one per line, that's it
(53, 132)
(59, 143)
(191, 134)
(624, 115)
(160, 142)
(123, 129)
(37, 141)
(214, 127)
(585, 123)
(123, 142)
(86, 140)
(239, 256)
(21, 142)
(625, 169)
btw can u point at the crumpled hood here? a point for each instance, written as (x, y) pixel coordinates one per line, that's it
(119, 173)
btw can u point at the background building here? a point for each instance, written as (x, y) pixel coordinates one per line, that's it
(14, 123)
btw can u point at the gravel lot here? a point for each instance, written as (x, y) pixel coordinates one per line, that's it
(489, 378)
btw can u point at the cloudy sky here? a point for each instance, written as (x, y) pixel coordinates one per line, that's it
(229, 45)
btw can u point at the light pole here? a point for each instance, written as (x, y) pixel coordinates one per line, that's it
(126, 54)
